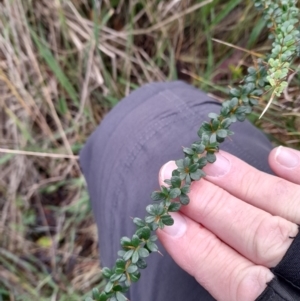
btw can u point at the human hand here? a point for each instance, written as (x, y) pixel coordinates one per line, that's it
(240, 222)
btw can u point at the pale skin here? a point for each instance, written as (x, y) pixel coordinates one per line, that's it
(240, 222)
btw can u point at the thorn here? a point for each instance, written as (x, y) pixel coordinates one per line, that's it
(268, 105)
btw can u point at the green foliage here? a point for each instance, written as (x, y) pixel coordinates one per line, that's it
(281, 17)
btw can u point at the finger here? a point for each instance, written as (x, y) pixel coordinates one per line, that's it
(285, 162)
(254, 233)
(270, 193)
(222, 271)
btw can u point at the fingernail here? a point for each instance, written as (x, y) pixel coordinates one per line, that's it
(286, 157)
(219, 168)
(179, 226)
(166, 170)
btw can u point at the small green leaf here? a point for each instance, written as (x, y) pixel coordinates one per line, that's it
(150, 209)
(202, 162)
(159, 208)
(115, 277)
(184, 199)
(128, 254)
(175, 173)
(118, 288)
(188, 151)
(135, 257)
(109, 285)
(197, 175)
(174, 207)
(211, 157)
(185, 189)
(188, 180)
(213, 115)
(167, 220)
(139, 222)
(143, 252)
(154, 226)
(186, 162)
(226, 123)
(205, 139)
(120, 297)
(251, 70)
(136, 240)
(96, 293)
(153, 238)
(150, 219)
(168, 181)
(234, 102)
(199, 148)
(121, 253)
(174, 193)
(215, 124)
(241, 117)
(132, 268)
(106, 272)
(213, 138)
(179, 163)
(119, 271)
(103, 297)
(157, 196)
(135, 277)
(235, 92)
(125, 241)
(127, 283)
(253, 101)
(222, 133)
(120, 263)
(144, 233)
(152, 246)
(176, 182)
(142, 264)
(164, 190)
(193, 167)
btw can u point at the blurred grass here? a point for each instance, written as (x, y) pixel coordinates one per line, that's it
(63, 65)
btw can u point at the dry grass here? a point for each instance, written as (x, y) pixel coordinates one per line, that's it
(63, 65)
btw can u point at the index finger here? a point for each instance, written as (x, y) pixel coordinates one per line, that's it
(270, 193)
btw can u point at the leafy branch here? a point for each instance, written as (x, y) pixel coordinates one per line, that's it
(265, 78)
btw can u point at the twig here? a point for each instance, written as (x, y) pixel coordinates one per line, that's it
(239, 48)
(38, 154)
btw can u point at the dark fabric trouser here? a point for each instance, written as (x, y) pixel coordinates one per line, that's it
(121, 160)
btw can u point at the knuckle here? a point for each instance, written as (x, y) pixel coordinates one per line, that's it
(270, 240)
(214, 202)
(293, 208)
(249, 181)
(251, 283)
(202, 247)
(200, 251)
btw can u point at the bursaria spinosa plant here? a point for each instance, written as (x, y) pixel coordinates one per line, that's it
(267, 78)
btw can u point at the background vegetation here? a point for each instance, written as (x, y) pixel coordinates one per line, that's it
(63, 65)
